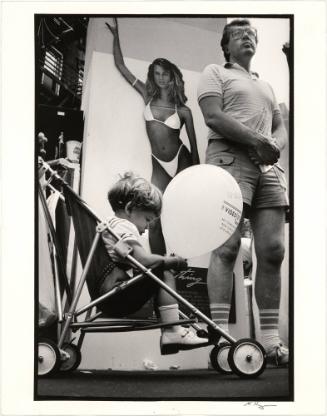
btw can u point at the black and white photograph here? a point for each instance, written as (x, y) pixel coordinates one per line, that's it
(165, 210)
(164, 207)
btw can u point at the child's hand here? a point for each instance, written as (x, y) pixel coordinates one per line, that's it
(175, 263)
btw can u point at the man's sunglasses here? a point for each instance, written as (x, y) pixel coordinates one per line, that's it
(239, 33)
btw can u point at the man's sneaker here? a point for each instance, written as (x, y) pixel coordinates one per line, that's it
(171, 342)
(278, 356)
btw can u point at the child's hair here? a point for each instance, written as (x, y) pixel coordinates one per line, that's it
(137, 191)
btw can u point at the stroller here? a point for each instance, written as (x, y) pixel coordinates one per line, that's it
(245, 357)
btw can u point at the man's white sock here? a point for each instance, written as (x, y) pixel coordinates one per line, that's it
(220, 315)
(269, 319)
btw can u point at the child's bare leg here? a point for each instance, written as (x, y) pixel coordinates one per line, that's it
(167, 304)
(165, 298)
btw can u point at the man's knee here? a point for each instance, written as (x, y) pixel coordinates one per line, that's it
(227, 253)
(272, 252)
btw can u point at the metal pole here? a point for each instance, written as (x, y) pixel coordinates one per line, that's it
(195, 326)
(57, 286)
(82, 334)
(72, 308)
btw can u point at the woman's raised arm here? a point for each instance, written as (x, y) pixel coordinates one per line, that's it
(119, 61)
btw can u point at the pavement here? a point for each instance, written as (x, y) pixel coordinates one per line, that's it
(274, 384)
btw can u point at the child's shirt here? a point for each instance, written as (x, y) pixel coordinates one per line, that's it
(127, 231)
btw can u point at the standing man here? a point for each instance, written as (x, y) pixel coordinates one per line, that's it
(246, 135)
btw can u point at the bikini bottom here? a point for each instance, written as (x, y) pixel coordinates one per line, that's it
(171, 166)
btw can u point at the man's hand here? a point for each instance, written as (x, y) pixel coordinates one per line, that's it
(266, 152)
(254, 156)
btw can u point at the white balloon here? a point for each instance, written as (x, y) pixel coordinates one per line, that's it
(202, 207)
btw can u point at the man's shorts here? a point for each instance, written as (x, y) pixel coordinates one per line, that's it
(259, 190)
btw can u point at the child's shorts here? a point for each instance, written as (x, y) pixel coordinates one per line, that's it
(259, 190)
(128, 300)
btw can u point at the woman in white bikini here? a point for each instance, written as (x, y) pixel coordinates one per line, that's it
(165, 114)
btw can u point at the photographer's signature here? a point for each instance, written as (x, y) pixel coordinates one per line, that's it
(258, 405)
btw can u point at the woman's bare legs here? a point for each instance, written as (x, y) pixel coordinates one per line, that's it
(184, 159)
(161, 179)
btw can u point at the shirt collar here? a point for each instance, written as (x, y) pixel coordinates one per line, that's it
(235, 65)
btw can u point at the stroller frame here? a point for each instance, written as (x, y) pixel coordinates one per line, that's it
(226, 357)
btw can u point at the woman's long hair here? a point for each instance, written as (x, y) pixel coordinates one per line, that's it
(176, 84)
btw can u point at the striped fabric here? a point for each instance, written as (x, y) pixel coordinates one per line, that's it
(269, 328)
(220, 314)
(269, 318)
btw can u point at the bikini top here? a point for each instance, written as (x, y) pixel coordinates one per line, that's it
(173, 121)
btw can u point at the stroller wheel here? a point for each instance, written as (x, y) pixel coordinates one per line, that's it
(247, 358)
(74, 360)
(219, 358)
(48, 357)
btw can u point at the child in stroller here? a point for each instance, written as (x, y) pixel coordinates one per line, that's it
(244, 357)
(136, 202)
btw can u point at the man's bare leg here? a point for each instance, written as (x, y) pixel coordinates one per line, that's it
(268, 226)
